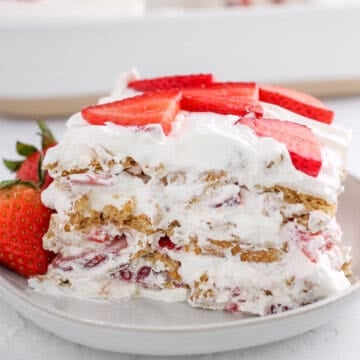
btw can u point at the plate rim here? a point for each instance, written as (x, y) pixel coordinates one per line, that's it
(252, 321)
(5, 285)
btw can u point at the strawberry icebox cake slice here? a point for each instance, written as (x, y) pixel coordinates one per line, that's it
(184, 188)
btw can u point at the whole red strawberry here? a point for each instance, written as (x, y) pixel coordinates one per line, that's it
(30, 169)
(23, 222)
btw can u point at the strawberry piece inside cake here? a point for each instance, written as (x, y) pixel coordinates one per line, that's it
(184, 188)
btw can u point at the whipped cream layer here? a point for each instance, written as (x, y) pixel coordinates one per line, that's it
(311, 263)
(207, 141)
(215, 179)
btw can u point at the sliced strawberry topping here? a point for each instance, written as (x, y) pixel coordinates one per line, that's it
(304, 148)
(234, 98)
(171, 82)
(204, 100)
(247, 89)
(150, 108)
(297, 102)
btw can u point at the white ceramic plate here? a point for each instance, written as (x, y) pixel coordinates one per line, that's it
(149, 327)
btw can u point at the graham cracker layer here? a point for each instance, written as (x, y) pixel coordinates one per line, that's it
(310, 202)
(151, 257)
(219, 248)
(84, 218)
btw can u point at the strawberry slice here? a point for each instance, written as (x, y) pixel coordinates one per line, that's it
(247, 89)
(297, 102)
(304, 148)
(171, 82)
(220, 102)
(150, 108)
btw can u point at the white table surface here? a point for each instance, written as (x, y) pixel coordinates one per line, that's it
(22, 340)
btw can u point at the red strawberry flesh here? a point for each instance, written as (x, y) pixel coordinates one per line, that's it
(165, 242)
(23, 222)
(90, 259)
(221, 104)
(95, 261)
(125, 274)
(246, 89)
(143, 273)
(150, 108)
(171, 82)
(296, 101)
(29, 169)
(303, 146)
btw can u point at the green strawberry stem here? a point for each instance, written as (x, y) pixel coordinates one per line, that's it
(12, 165)
(41, 172)
(25, 149)
(47, 137)
(7, 183)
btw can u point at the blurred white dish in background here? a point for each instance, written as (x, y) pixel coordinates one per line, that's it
(61, 63)
(126, 7)
(191, 4)
(82, 8)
